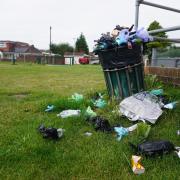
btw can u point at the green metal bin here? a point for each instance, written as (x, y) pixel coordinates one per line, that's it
(123, 71)
(124, 82)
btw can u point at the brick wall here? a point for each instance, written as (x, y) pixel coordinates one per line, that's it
(167, 75)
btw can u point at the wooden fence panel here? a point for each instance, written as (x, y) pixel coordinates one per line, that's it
(167, 75)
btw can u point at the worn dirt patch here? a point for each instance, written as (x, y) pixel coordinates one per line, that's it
(20, 96)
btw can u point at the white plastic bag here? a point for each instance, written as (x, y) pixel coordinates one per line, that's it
(141, 106)
(69, 113)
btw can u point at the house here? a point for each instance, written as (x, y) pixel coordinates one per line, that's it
(17, 47)
(69, 56)
(23, 52)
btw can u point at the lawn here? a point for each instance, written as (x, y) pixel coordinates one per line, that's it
(26, 90)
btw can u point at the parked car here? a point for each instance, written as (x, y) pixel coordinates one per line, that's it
(94, 60)
(84, 60)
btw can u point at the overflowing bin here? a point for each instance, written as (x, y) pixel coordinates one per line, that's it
(123, 70)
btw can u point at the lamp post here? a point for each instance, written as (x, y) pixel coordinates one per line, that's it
(50, 40)
(50, 43)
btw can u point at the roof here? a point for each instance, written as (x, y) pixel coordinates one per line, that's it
(26, 49)
(15, 42)
(21, 49)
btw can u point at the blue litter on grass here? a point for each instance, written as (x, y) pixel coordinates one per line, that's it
(100, 103)
(171, 105)
(49, 108)
(157, 92)
(120, 132)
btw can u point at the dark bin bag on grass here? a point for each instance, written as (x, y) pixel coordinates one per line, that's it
(50, 132)
(120, 57)
(100, 124)
(151, 148)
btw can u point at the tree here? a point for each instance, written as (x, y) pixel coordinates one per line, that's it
(156, 44)
(156, 25)
(61, 48)
(81, 44)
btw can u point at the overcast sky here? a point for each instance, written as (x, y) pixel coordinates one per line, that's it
(29, 20)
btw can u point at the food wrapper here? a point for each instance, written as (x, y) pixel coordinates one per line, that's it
(136, 166)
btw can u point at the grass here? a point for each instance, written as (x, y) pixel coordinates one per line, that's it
(25, 91)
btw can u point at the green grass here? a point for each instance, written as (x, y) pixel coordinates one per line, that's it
(25, 91)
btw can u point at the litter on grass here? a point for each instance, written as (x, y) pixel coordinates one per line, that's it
(157, 92)
(97, 96)
(88, 134)
(121, 131)
(137, 168)
(132, 128)
(89, 112)
(142, 130)
(141, 106)
(178, 132)
(100, 124)
(151, 148)
(163, 99)
(49, 108)
(171, 105)
(178, 153)
(100, 103)
(77, 97)
(69, 113)
(51, 132)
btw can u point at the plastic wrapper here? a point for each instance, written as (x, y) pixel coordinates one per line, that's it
(90, 113)
(137, 168)
(77, 97)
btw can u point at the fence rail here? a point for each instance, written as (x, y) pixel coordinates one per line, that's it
(167, 75)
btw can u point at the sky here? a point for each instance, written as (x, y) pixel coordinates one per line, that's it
(30, 20)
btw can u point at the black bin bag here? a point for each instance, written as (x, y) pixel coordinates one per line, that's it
(155, 148)
(120, 56)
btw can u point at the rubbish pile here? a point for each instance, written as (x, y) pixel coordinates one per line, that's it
(145, 106)
(122, 36)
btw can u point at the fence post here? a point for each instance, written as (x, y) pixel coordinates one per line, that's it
(154, 57)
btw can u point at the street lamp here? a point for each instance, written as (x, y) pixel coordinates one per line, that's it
(50, 41)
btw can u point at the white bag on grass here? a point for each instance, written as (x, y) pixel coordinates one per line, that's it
(69, 113)
(141, 106)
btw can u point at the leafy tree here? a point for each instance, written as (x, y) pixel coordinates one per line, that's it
(161, 45)
(81, 44)
(61, 48)
(156, 25)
